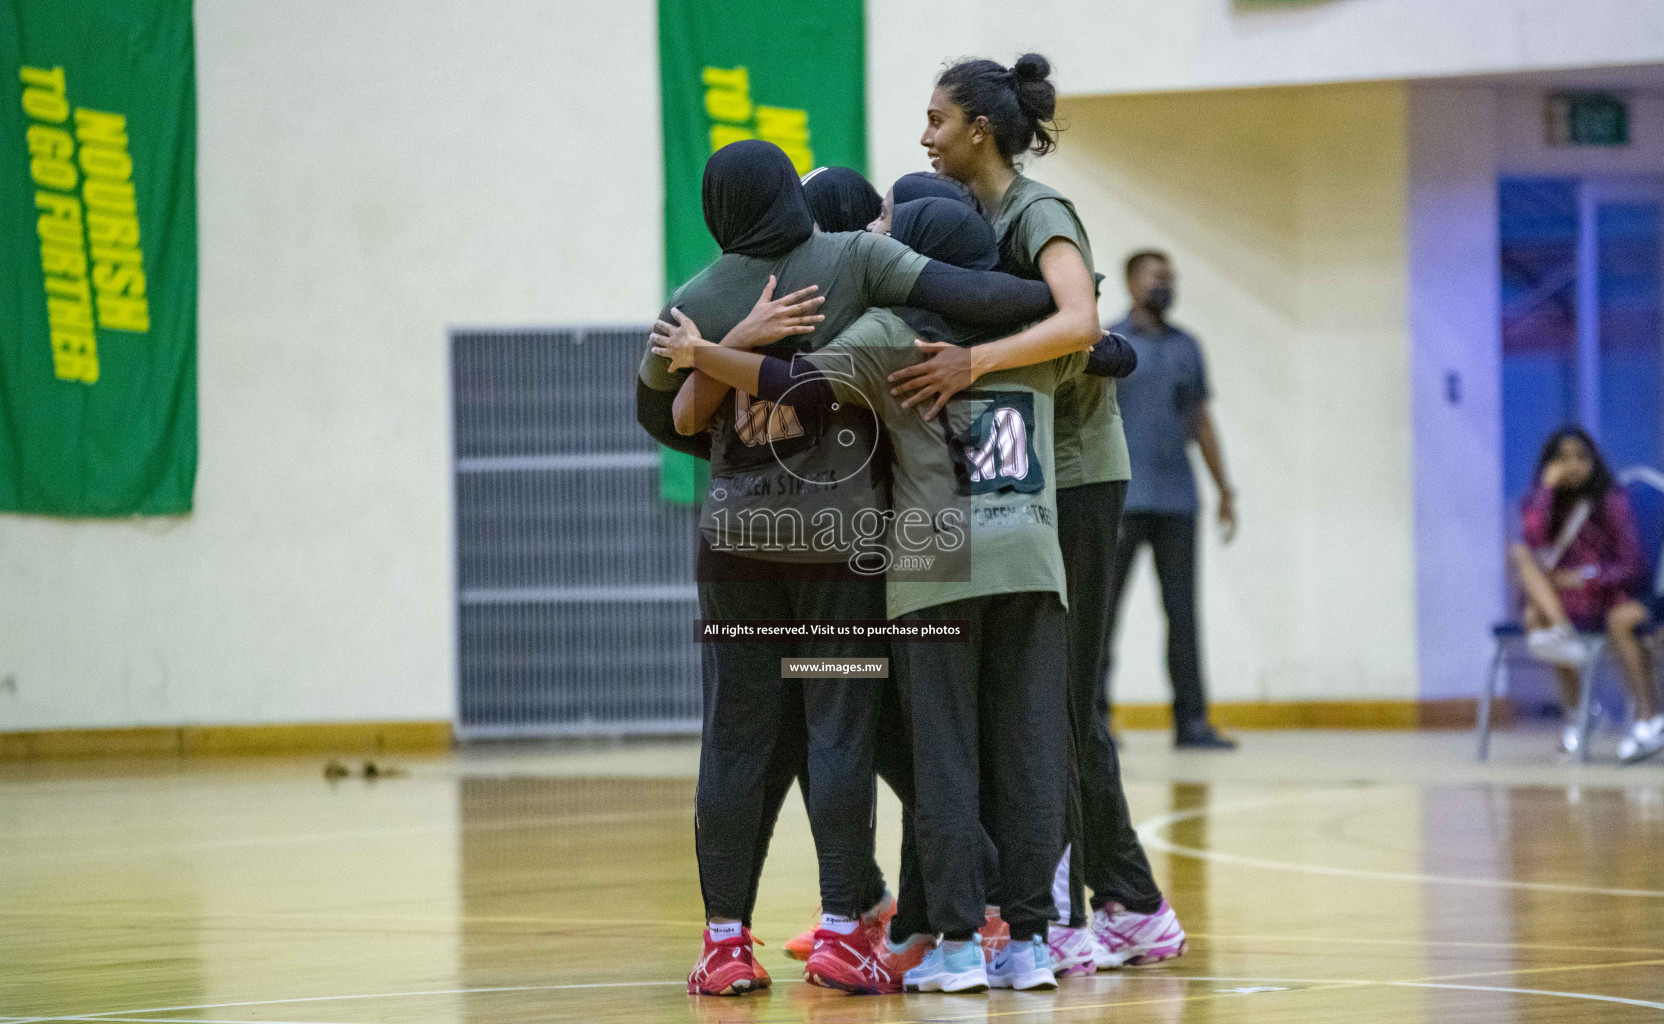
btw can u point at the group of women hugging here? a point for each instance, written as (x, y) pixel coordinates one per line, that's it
(936, 356)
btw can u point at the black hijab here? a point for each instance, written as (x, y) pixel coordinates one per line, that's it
(945, 230)
(921, 184)
(753, 201)
(841, 199)
(950, 231)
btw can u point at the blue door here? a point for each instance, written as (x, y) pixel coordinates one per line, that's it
(1582, 334)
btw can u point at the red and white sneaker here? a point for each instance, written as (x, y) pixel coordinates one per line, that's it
(899, 959)
(799, 946)
(847, 962)
(1139, 939)
(875, 922)
(995, 934)
(727, 968)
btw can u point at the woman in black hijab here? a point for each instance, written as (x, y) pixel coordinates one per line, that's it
(923, 185)
(920, 185)
(769, 216)
(841, 199)
(946, 229)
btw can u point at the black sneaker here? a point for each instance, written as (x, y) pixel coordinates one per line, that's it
(1201, 736)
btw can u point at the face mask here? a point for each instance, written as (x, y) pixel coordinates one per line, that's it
(1158, 299)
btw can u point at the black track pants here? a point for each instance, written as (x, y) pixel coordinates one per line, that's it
(990, 743)
(1105, 853)
(759, 729)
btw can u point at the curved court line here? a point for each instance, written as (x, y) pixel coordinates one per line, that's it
(1556, 969)
(1149, 833)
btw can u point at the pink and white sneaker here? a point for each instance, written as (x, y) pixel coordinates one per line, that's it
(1073, 950)
(1139, 939)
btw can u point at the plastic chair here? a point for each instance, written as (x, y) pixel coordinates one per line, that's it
(1645, 487)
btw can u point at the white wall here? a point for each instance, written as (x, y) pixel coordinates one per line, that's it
(1284, 212)
(1127, 46)
(369, 173)
(1454, 325)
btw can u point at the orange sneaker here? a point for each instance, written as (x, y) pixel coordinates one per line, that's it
(876, 922)
(847, 962)
(898, 960)
(995, 934)
(727, 968)
(799, 946)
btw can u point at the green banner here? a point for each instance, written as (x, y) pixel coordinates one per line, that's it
(97, 257)
(791, 72)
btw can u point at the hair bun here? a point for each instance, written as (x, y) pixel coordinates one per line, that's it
(1036, 95)
(1031, 67)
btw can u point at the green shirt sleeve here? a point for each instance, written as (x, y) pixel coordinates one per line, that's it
(1044, 220)
(888, 269)
(655, 370)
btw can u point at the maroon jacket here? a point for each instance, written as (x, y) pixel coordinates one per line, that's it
(1607, 551)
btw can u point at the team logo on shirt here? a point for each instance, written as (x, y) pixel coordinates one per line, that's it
(759, 422)
(996, 452)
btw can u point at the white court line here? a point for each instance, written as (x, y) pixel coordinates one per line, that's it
(1149, 832)
(132, 1015)
(1400, 984)
(112, 1014)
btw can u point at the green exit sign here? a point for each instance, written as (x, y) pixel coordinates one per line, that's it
(1586, 119)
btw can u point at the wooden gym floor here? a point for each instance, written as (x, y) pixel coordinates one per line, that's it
(1323, 877)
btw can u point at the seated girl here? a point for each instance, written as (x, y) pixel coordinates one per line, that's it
(1580, 566)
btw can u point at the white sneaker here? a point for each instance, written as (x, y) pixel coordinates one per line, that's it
(1024, 966)
(1557, 645)
(1570, 740)
(1646, 738)
(1107, 959)
(1139, 939)
(1073, 950)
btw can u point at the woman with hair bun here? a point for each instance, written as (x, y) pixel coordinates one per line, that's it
(983, 118)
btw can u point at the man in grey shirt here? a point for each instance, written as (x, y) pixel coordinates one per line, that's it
(1164, 406)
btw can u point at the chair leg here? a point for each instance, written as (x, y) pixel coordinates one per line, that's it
(1486, 695)
(1586, 698)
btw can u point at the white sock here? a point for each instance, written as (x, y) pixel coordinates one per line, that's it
(719, 932)
(841, 925)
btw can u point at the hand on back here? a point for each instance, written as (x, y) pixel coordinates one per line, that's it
(772, 319)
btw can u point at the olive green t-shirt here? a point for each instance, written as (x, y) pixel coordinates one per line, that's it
(769, 477)
(973, 487)
(1091, 446)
